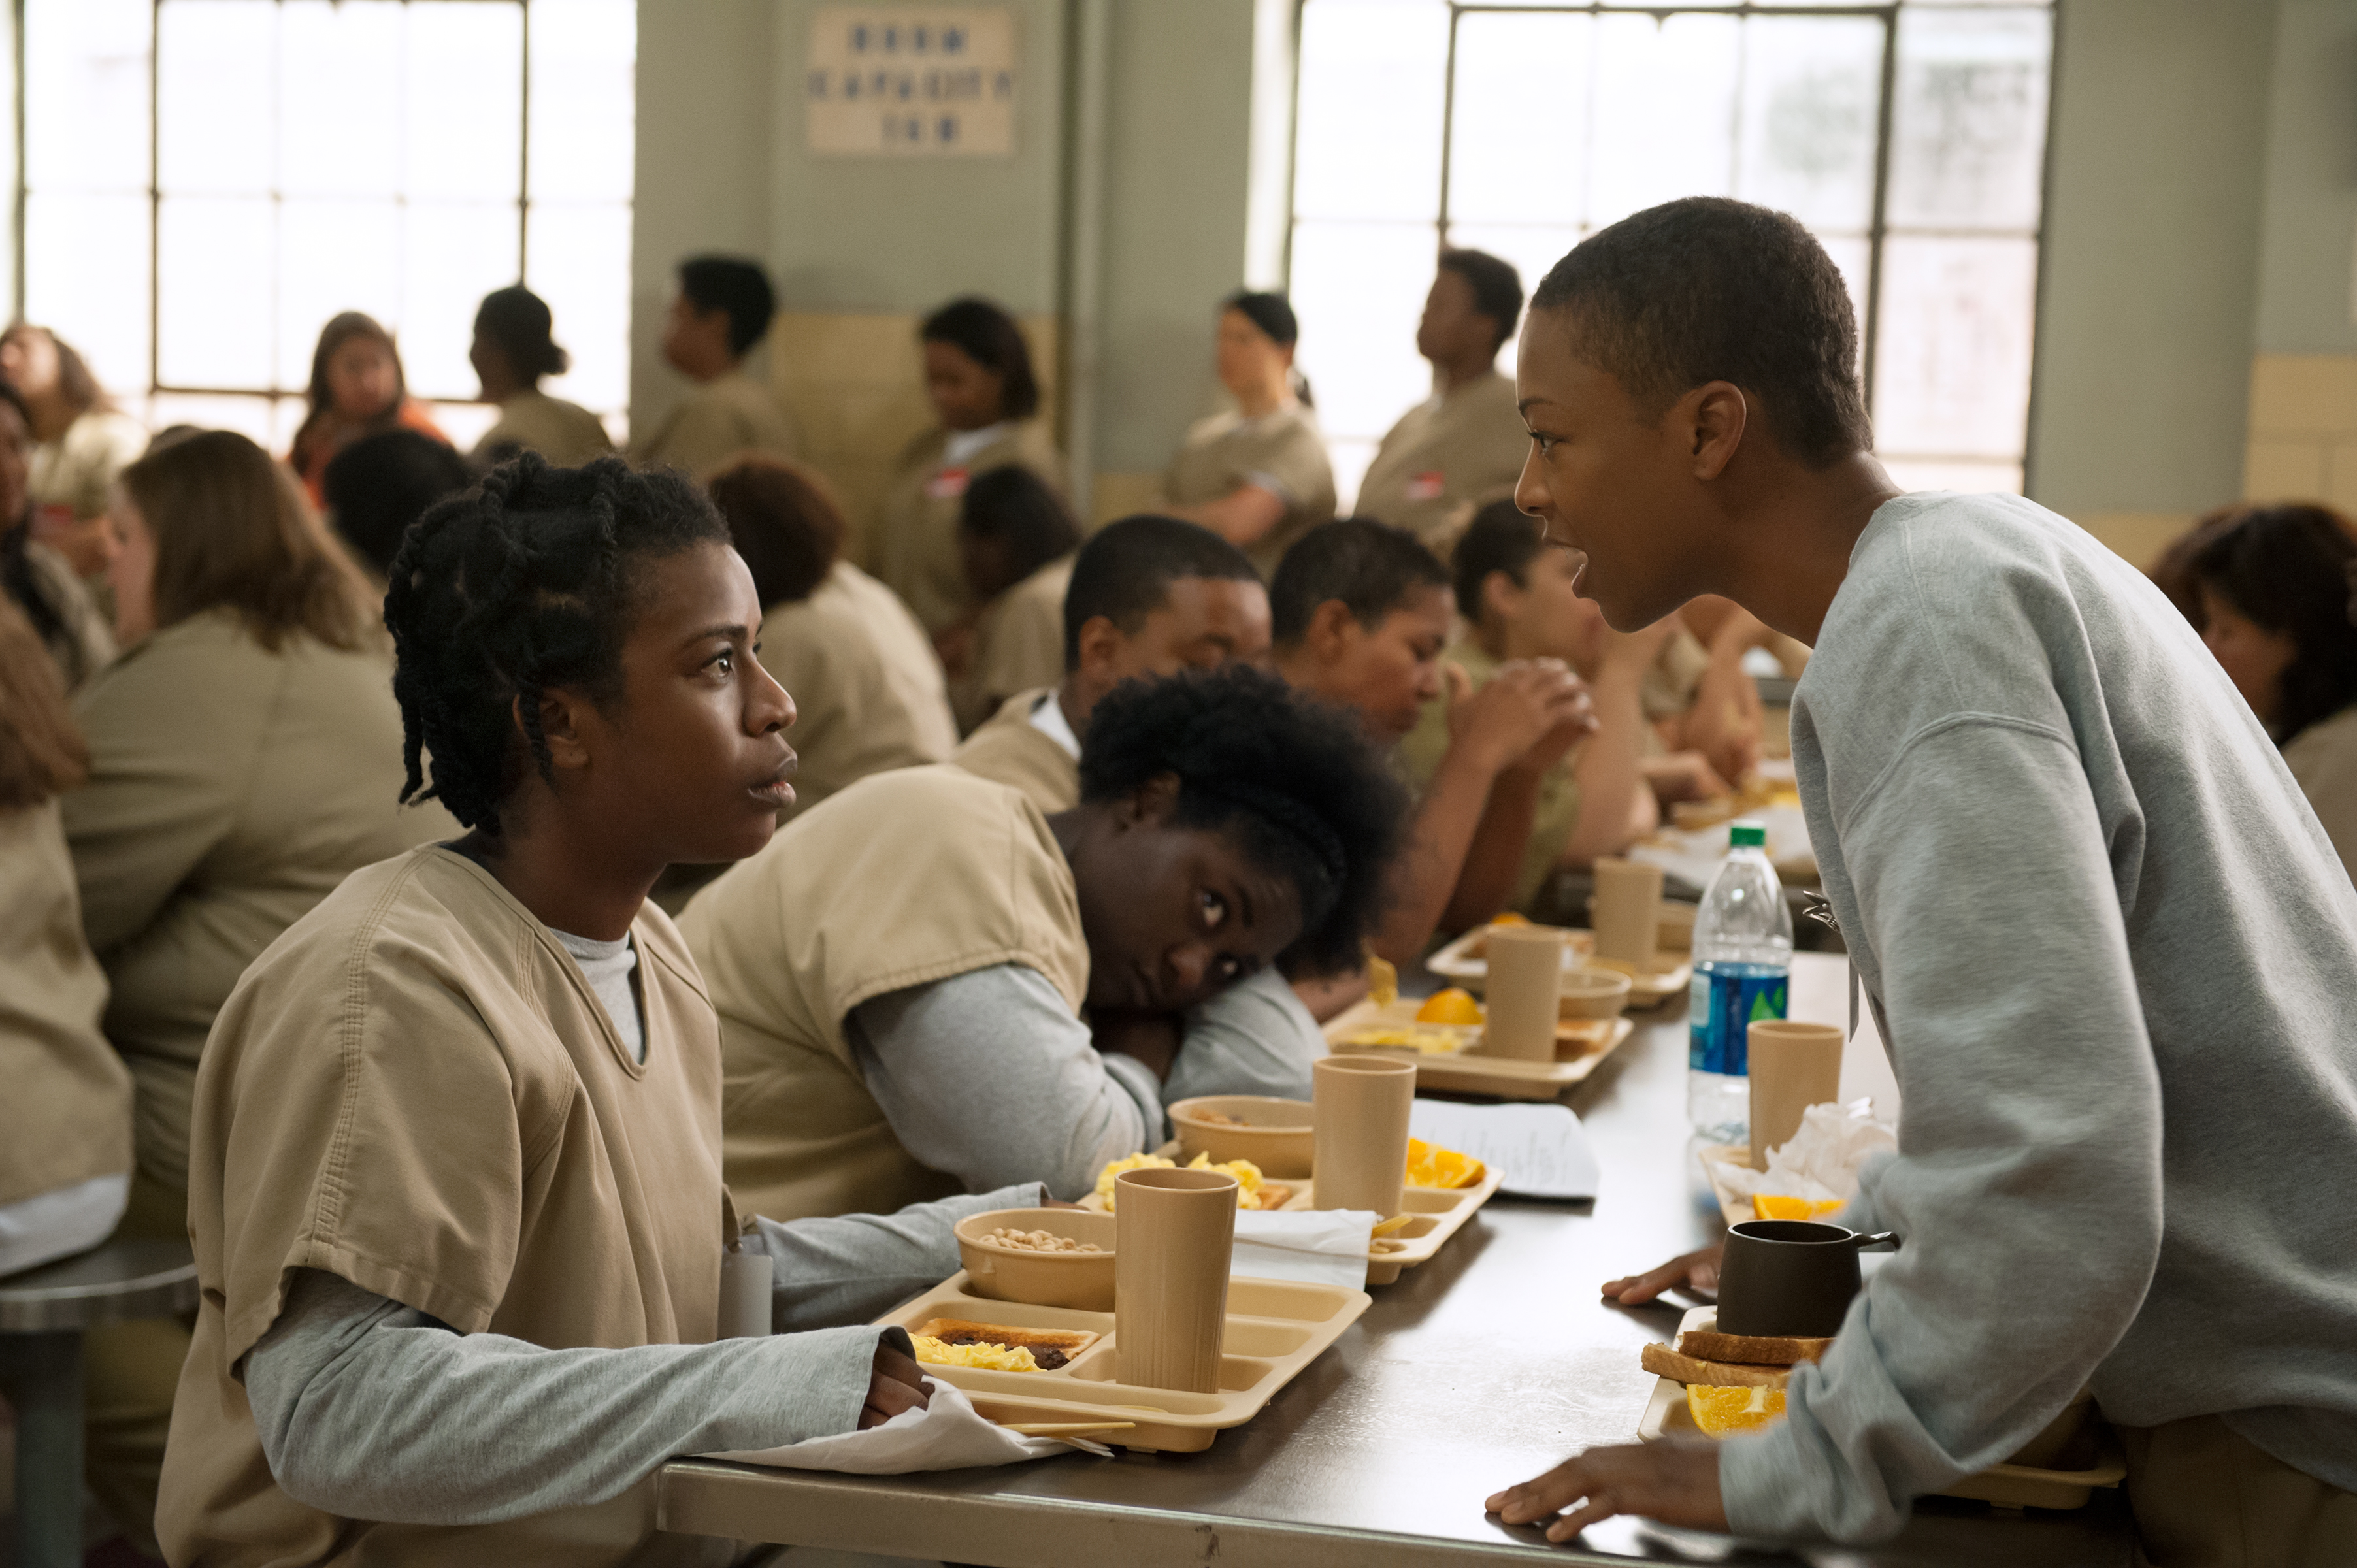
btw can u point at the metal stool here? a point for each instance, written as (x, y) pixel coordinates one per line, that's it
(43, 1312)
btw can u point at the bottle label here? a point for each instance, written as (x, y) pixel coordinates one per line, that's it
(1721, 1006)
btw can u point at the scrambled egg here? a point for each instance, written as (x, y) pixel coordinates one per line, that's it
(1431, 1040)
(1247, 1174)
(991, 1358)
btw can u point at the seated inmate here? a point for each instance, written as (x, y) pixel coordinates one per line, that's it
(1258, 476)
(1150, 596)
(1462, 447)
(869, 694)
(41, 583)
(909, 977)
(1362, 612)
(244, 759)
(513, 352)
(1520, 595)
(457, 1198)
(2107, 943)
(64, 1121)
(2274, 586)
(1016, 539)
(986, 400)
(722, 309)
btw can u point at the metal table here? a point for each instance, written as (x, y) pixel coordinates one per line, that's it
(43, 1312)
(1480, 1369)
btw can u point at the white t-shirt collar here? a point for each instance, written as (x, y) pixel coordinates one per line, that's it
(1048, 718)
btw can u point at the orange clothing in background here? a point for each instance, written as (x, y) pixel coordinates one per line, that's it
(312, 466)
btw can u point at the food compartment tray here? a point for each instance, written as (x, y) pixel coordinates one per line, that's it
(1274, 1328)
(1436, 1214)
(2007, 1485)
(1469, 1073)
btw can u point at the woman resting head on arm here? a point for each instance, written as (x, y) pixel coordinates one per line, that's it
(485, 1300)
(902, 975)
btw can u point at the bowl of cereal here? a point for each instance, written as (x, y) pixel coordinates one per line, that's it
(1274, 1134)
(1047, 1257)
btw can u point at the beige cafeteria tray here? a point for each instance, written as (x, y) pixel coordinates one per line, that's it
(1435, 1214)
(1468, 1073)
(1465, 960)
(1671, 976)
(1276, 1327)
(2007, 1485)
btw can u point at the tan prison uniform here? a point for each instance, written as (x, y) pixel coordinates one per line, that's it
(416, 1089)
(1446, 458)
(1281, 451)
(567, 434)
(1018, 643)
(913, 547)
(231, 788)
(65, 1114)
(715, 422)
(1557, 810)
(2323, 758)
(1011, 749)
(869, 694)
(84, 642)
(912, 877)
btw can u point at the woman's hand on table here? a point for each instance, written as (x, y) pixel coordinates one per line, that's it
(1696, 1271)
(895, 1383)
(1676, 1483)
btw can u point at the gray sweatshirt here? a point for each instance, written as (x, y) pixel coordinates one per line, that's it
(369, 1409)
(2113, 955)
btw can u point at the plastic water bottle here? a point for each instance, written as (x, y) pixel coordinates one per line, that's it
(1742, 972)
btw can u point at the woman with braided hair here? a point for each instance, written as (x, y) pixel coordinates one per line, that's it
(456, 1188)
(926, 985)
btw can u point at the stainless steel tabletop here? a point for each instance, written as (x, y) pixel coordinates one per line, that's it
(120, 1279)
(1478, 1370)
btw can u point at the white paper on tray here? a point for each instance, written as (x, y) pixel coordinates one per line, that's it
(1821, 1163)
(948, 1434)
(1311, 1246)
(1539, 1151)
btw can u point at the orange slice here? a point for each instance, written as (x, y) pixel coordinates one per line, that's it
(1431, 1167)
(1769, 1206)
(1721, 1411)
(1451, 1006)
(1510, 918)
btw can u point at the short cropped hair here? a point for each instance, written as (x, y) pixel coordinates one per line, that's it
(991, 339)
(1706, 289)
(735, 285)
(1295, 778)
(379, 485)
(1125, 573)
(784, 521)
(1372, 567)
(1021, 511)
(1501, 538)
(1497, 288)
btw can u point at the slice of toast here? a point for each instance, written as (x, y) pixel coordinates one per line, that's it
(1709, 1344)
(1665, 1362)
(1051, 1347)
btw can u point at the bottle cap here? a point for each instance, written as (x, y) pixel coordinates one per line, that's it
(1747, 835)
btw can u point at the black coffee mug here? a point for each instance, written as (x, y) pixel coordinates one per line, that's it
(1789, 1278)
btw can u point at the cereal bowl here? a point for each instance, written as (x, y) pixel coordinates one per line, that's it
(1014, 1254)
(1274, 1134)
(1592, 993)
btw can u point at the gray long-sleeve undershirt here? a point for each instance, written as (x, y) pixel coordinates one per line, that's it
(369, 1409)
(989, 1076)
(1255, 1037)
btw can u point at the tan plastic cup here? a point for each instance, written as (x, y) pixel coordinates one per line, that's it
(1628, 912)
(1792, 1066)
(1363, 1105)
(1174, 1236)
(1525, 982)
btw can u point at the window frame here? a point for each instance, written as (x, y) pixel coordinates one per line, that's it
(1878, 228)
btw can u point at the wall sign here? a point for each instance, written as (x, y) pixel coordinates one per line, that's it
(912, 80)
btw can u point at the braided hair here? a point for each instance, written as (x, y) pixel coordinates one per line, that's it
(525, 582)
(1294, 777)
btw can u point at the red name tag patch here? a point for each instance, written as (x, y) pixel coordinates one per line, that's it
(947, 485)
(1426, 485)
